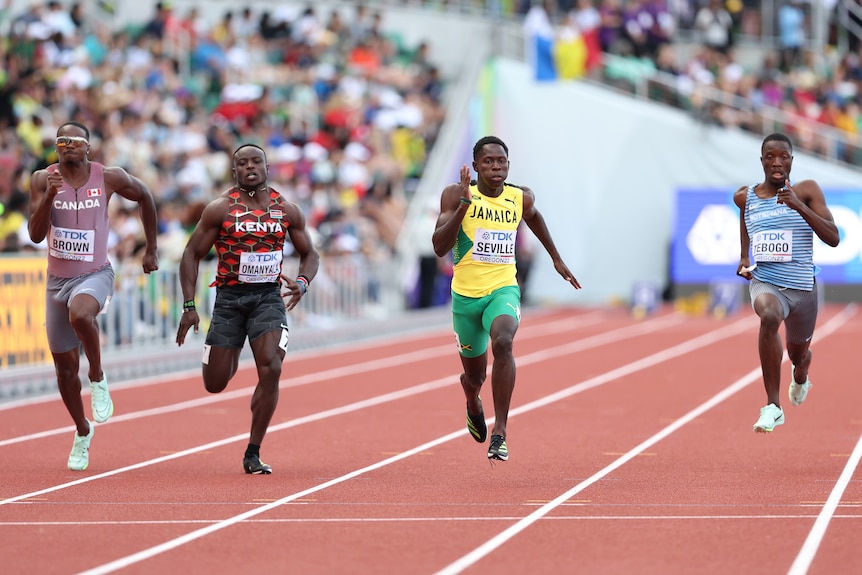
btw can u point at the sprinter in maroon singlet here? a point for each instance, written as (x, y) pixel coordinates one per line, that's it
(247, 225)
(69, 207)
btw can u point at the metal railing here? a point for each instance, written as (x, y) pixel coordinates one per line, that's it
(145, 309)
(138, 327)
(709, 105)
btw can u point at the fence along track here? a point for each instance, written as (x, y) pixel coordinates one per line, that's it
(139, 326)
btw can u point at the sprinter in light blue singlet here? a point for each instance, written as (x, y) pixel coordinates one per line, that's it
(777, 223)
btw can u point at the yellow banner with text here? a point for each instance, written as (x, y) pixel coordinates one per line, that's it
(22, 312)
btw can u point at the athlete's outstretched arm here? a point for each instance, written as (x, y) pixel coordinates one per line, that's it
(128, 186)
(199, 244)
(537, 225)
(309, 258)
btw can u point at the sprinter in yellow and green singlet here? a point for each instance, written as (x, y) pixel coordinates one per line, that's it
(478, 222)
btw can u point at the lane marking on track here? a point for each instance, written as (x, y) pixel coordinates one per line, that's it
(657, 358)
(363, 367)
(754, 375)
(815, 536)
(472, 518)
(612, 336)
(533, 330)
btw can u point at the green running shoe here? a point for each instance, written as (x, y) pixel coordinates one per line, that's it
(771, 417)
(103, 407)
(79, 458)
(797, 391)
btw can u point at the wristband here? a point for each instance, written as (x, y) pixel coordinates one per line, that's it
(303, 284)
(465, 201)
(189, 305)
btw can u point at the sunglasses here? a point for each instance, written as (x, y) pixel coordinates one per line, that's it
(63, 141)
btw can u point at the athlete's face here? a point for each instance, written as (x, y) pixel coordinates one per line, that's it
(249, 167)
(72, 143)
(492, 165)
(777, 158)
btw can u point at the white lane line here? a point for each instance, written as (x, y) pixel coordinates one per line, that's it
(354, 369)
(581, 345)
(495, 542)
(815, 536)
(442, 519)
(373, 365)
(189, 537)
(702, 341)
(543, 326)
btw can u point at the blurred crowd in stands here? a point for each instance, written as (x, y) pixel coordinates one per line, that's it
(794, 86)
(345, 109)
(346, 112)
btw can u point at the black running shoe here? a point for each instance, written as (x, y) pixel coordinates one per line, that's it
(253, 464)
(498, 449)
(476, 425)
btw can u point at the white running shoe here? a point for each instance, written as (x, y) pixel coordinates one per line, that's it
(103, 407)
(771, 416)
(79, 458)
(797, 391)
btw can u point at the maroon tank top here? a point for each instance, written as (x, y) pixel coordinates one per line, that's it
(78, 236)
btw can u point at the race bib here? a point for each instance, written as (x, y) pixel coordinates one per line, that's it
(772, 246)
(494, 246)
(69, 244)
(259, 267)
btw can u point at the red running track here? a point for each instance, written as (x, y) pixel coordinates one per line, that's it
(631, 448)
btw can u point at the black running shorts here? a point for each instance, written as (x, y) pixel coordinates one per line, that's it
(245, 311)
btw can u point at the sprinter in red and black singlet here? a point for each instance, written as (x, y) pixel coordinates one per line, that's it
(251, 241)
(248, 225)
(69, 208)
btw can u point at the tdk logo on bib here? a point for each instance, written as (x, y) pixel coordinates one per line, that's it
(262, 258)
(498, 236)
(70, 234)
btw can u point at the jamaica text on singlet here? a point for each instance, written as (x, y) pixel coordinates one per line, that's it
(484, 251)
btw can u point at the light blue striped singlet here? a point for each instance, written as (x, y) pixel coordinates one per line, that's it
(782, 243)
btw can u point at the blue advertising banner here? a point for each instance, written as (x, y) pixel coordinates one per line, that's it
(706, 237)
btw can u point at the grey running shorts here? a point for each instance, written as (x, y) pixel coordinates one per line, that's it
(60, 292)
(245, 310)
(800, 308)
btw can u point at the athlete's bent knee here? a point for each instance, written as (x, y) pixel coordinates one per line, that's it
(215, 385)
(65, 374)
(81, 319)
(770, 319)
(501, 345)
(270, 370)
